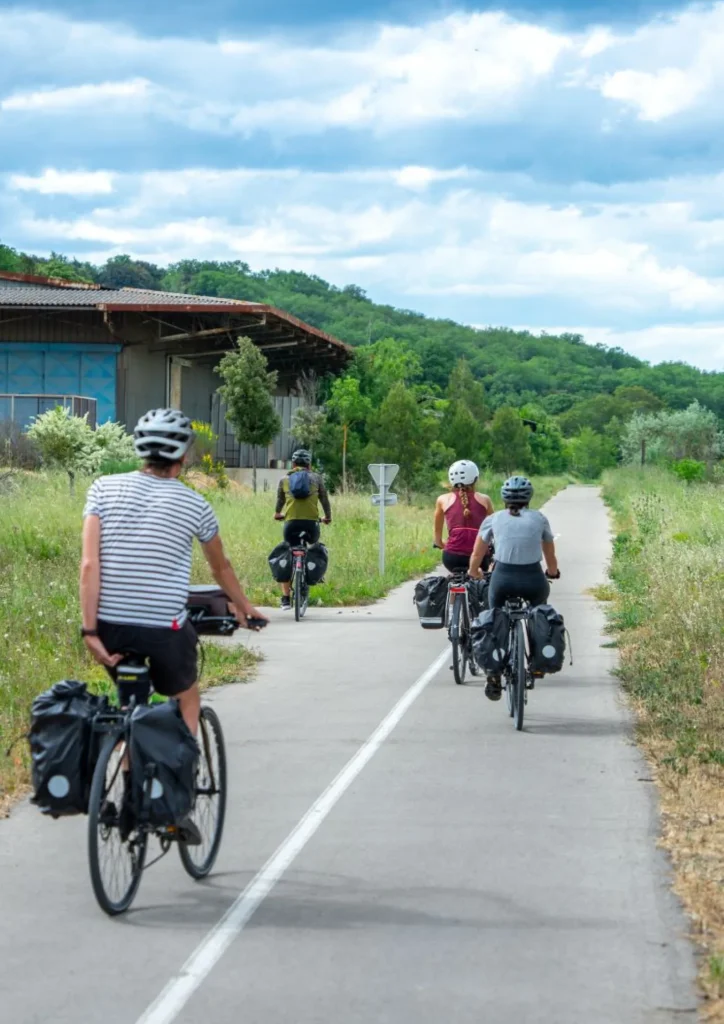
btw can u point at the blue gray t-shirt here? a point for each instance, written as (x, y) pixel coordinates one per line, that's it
(517, 539)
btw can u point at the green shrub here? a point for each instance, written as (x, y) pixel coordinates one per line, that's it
(689, 470)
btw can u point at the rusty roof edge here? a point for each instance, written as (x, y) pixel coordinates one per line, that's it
(178, 307)
(54, 282)
(308, 328)
(238, 307)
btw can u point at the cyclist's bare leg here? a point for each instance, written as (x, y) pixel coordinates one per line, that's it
(286, 589)
(190, 704)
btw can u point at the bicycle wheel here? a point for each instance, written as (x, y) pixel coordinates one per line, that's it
(116, 864)
(459, 643)
(510, 675)
(519, 679)
(300, 596)
(209, 809)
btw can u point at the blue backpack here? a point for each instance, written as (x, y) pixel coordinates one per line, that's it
(300, 483)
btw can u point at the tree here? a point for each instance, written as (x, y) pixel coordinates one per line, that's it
(66, 442)
(383, 364)
(349, 406)
(308, 420)
(590, 453)
(510, 441)
(401, 433)
(247, 393)
(462, 432)
(465, 389)
(547, 447)
(669, 436)
(307, 423)
(124, 272)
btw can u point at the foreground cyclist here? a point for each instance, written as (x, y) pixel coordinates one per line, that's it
(522, 537)
(138, 534)
(463, 511)
(300, 494)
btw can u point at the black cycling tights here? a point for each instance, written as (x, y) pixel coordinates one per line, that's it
(526, 581)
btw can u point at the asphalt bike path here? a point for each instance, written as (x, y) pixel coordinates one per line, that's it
(455, 871)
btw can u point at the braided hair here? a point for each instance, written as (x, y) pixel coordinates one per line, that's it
(465, 493)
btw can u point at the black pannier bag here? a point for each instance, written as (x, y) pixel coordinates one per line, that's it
(280, 562)
(209, 611)
(164, 756)
(491, 633)
(431, 601)
(478, 597)
(317, 562)
(63, 747)
(547, 639)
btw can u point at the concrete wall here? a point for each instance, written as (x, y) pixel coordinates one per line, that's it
(143, 382)
(198, 384)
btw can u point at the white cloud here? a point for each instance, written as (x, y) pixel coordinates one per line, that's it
(482, 66)
(68, 183)
(667, 66)
(456, 241)
(658, 95)
(77, 97)
(476, 64)
(419, 179)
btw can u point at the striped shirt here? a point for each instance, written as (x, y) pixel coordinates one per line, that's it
(148, 524)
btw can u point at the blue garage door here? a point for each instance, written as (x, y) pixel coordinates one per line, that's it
(85, 370)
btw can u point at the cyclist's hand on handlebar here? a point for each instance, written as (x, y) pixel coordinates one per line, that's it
(477, 574)
(279, 515)
(326, 522)
(249, 612)
(553, 575)
(98, 651)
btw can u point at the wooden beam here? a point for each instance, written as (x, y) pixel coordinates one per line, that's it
(188, 335)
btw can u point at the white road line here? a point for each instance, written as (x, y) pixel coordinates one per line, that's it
(210, 950)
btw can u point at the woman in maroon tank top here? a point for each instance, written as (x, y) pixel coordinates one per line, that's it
(463, 511)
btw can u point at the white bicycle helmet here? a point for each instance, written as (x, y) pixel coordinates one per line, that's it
(463, 473)
(163, 434)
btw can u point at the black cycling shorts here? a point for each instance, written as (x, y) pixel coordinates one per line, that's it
(526, 581)
(294, 528)
(454, 561)
(172, 653)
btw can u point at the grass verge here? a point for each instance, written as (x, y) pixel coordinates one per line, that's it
(667, 615)
(40, 550)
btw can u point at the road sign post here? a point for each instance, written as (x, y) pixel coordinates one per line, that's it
(383, 473)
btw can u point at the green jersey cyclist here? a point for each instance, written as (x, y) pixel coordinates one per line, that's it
(301, 514)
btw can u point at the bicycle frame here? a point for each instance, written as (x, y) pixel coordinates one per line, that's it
(457, 590)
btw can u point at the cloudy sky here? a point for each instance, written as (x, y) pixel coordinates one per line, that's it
(496, 164)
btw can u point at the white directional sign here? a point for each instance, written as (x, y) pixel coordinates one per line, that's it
(383, 473)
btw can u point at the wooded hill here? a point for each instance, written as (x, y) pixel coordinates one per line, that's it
(570, 388)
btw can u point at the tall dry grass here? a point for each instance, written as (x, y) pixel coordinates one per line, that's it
(668, 615)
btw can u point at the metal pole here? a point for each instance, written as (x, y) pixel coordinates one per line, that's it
(383, 493)
(643, 452)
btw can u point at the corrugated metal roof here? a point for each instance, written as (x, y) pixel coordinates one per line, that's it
(28, 293)
(25, 295)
